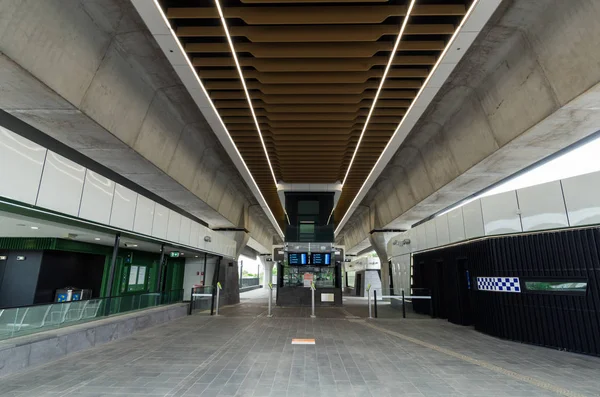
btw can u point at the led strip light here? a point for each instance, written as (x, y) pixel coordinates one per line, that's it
(239, 69)
(381, 83)
(439, 61)
(189, 63)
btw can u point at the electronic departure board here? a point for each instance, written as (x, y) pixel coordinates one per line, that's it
(297, 258)
(321, 259)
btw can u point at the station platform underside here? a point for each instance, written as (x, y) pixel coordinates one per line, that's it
(242, 352)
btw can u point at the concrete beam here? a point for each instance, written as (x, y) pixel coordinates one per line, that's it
(89, 74)
(527, 88)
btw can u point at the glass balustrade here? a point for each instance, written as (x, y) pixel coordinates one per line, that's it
(19, 321)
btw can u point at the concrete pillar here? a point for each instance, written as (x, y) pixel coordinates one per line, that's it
(379, 242)
(267, 269)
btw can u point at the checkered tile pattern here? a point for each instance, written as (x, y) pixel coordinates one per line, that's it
(499, 284)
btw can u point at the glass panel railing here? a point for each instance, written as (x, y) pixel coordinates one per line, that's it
(402, 303)
(19, 321)
(202, 299)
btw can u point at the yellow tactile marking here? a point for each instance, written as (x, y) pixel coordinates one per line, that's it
(484, 364)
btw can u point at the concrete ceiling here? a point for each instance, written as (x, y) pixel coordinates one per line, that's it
(527, 87)
(90, 75)
(313, 72)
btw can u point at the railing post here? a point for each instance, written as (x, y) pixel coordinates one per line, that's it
(217, 303)
(375, 301)
(270, 299)
(312, 291)
(430, 304)
(160, 269)
(403, 306)
(369, 299)
(191, 302)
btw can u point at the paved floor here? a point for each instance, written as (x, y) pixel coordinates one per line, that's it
(241, 354)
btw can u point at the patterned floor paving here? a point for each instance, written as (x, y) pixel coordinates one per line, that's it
(252, 355)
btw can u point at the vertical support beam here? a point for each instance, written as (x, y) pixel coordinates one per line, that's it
(204, 273)
(379, 242)
(160, 268)
(403, 306)
(312, 293)
(113, 261)
(111, 273)
(375, 302)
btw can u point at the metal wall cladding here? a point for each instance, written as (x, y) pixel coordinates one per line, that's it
(557, 320)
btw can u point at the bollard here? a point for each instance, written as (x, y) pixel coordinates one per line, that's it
(403, 306)
(369, 299)
(312, 289)
(191, 302)
(375, 302)
(270, 299)
(217, 304)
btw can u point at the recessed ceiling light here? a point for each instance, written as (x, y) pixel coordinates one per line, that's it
(134, 245)
(97, 239)
(195, 256)
(34, 227)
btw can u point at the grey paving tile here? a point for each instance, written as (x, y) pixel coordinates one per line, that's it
(241, 355)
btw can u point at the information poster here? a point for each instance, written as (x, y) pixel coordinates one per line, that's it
(141, 278)
(308, 279)
(133, 275)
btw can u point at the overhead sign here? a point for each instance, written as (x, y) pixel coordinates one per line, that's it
(320, 259)
(174, 254)
(297, 258)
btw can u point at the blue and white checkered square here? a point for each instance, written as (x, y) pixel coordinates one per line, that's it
(499, 284)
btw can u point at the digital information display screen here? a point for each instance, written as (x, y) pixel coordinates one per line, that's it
(297, 258)
(321, 259)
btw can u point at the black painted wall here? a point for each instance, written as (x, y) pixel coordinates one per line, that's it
(557, 319)
(19, 278)
(60, 269)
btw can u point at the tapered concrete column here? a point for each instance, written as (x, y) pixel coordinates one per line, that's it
(379, 242)
(268, 269)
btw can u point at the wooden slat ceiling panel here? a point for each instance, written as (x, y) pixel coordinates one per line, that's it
(312, 68)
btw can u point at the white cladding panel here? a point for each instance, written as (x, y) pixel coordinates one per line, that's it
(174, 226)
(443, 232)
(456, 225)
(542, 207)
(144, 215)
(160, 221)
(62, 185)
(473, 219)
(501, 213)
(123, 209)
(582, 199)
(97, 199)
(21, 164)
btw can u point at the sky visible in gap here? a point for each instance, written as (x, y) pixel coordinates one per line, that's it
(579, 161)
